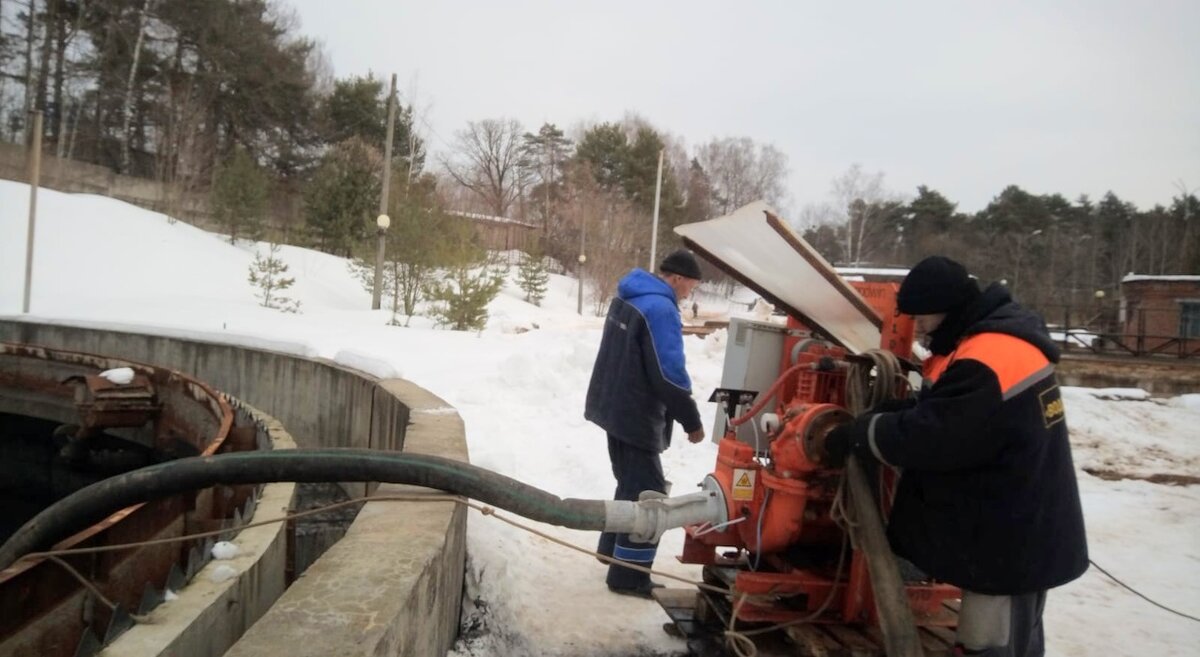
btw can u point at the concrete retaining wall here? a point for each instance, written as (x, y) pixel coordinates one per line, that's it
(376, 592)
(208, 617)
(393, 585)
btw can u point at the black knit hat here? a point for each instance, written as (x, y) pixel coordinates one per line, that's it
(936, 285)
(681, 262)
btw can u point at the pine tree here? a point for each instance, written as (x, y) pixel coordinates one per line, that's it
(471, 280)
(461, 299)
(418, 241)
(357, 107)
(532, 276)
(548, 150)
(267, 274)
(931, 219)
(341, 199)
(605, 149)
(239, 196)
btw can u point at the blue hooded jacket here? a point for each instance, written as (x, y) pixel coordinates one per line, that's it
(640, 381)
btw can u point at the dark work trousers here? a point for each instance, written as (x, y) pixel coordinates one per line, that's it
(1001, 625)
(636, 470)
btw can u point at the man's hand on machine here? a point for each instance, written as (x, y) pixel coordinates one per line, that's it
(844, 439)
(837, 445)
(851, 437)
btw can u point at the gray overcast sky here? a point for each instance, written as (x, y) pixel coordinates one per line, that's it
(966, 97)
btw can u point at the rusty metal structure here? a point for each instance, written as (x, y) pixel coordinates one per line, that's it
(44, 610)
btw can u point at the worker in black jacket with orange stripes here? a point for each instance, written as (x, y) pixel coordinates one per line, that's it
(987, 499)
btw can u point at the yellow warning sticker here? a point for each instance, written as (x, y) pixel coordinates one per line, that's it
(743, 484)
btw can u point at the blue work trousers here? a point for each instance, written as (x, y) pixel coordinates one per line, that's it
(636, 470)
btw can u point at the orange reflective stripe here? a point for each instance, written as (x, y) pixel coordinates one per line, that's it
(1017, 363)
(934, 366)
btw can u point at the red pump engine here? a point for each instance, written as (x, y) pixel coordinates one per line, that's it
(791, 557)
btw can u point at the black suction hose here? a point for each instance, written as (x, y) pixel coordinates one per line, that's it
(89, 505)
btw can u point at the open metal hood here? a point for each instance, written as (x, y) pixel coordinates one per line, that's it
(756, 247)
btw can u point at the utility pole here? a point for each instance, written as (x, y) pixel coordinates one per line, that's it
(582, 259)
(33, 158)
(546, 183)
(376, 289)
(657, 195)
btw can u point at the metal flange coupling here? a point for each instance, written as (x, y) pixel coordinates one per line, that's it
(654, 513)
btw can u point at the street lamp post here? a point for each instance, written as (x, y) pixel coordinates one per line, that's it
(1099, 323)
(654, 224)
(582, 260)
(579, 302)
(1075, 287)
(382, 222)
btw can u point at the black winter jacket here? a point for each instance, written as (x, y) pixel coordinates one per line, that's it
(988, 499)
(640, 382)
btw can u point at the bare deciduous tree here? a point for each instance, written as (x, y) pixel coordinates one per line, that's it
(30, 80)
(860, 202)
(613, 249)
(813, 215)
(488, 161)
(612, 242)
(1186, 245)
(127, 103)
(742, 171)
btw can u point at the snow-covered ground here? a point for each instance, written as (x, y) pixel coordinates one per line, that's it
(519, 386)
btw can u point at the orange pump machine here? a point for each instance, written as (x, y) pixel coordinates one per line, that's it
(784, 552)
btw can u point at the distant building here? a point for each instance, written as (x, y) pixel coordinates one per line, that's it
(1162, 311)
(501, 233)
(873, 274)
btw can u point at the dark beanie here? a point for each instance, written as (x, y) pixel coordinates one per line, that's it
(681, 262)
(936, 285)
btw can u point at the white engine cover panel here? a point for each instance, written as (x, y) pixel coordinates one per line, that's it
(758, 248)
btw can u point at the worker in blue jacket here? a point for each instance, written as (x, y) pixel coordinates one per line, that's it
(988, 499)
(639, 387)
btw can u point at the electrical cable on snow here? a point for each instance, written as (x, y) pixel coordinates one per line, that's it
(1141, 595)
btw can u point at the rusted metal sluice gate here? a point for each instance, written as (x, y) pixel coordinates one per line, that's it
(64, 426)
